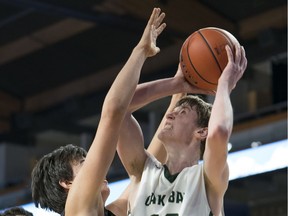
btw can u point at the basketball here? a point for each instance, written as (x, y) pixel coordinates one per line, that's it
(203, 56)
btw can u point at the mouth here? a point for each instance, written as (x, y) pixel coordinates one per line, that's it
(167, 126)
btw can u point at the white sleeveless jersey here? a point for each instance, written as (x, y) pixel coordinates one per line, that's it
(183, 196)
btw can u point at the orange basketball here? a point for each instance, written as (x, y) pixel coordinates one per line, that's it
(203, 56)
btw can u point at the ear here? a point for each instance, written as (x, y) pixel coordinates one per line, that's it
(202, 132)
(65, 184)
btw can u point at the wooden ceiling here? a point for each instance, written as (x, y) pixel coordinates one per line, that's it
(58, 58)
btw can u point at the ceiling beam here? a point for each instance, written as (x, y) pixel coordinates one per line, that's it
(179, 17)
(42, 38)
(74, 22)
(8, 104)
(53, 9)
(251, 27)
(184, 22)
(168, 56)
(264, 120)
(104, 79)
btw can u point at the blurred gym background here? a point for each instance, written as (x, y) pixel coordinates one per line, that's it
(58, 58)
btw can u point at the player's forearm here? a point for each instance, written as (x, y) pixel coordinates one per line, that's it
(154, 90)
(222, 112)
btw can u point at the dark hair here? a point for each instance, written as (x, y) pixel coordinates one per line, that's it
(49, 170)
(16, 211)
(203, 110)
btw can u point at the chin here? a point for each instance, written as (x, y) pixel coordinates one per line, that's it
(164, 135)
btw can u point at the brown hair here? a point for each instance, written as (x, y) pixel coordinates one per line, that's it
(49, 170)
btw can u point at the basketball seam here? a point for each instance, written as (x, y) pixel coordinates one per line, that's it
(219, 67)
(194, 66)
(225, 35)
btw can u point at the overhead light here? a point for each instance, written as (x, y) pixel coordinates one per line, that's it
(255, 144)
(229, 146)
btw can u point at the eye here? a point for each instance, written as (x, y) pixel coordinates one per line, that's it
(183, 111)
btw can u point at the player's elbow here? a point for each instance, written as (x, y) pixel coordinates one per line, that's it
(113, 109)
(220, 132)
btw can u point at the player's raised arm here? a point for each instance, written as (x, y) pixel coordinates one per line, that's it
(86, 194)
(220, 127)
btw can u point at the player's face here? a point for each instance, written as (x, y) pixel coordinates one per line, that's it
(180, 125)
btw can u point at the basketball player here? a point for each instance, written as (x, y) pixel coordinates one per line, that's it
(181, 185)
(85, 189)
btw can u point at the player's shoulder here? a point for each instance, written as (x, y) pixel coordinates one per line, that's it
(152, 161)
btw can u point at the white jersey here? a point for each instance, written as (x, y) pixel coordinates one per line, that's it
(161, 193)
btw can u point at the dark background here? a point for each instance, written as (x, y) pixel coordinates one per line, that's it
(58, 59)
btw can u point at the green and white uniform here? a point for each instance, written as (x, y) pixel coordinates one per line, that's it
(163, 194)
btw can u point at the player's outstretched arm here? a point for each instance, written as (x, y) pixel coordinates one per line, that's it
(84, 197)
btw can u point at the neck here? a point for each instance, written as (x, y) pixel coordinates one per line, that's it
(178, 159)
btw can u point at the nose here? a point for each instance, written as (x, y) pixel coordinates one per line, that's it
(170, 115)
